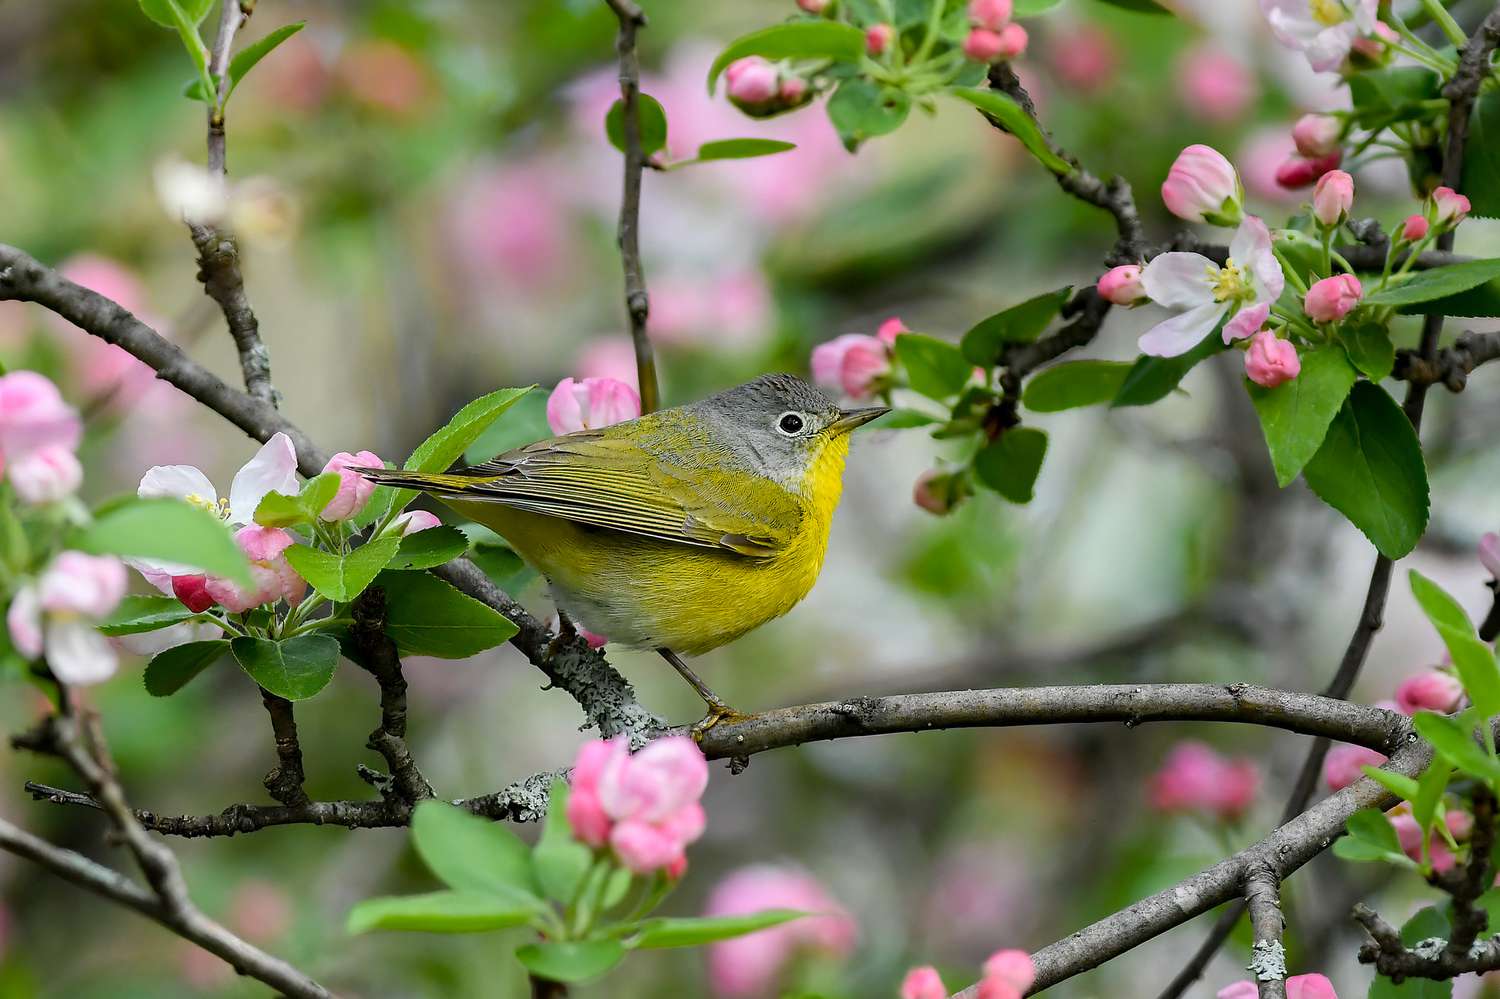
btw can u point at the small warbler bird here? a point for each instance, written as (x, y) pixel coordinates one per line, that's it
(678, 531)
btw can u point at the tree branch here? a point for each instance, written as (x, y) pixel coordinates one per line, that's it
(284, 782)
(1450, 367)
(1267, 956)
(378, 657)
(637, 302)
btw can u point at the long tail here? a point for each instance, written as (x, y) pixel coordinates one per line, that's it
(437, 483)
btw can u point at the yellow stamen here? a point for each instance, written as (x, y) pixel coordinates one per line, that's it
(218, 506)
(1328, 12)
(1229, 282)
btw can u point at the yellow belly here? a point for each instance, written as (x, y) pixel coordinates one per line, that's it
(653, 594)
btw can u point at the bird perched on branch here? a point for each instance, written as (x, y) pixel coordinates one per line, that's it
(678, 531)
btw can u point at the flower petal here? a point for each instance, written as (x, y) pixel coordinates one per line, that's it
(1247, 322)
(1182, 332)
(177, 482)
(273, 469)
(1179, 280)
(78, 654)
(24, 620)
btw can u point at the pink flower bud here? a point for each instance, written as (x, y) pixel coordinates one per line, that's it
(991, 14)
(1084, 57)
(1214, 85)
(983, 45)
(935, 492)
(793, 89)
(1414, 228)
(1122, 285)
(878, 38)
(1460, 824)
(354, 489)
(1300, 171)
(923, 983)
(1370, 48)
(1271, 361)
(889, 330)
(1450, 207)
(1489, 553)
(1007, 975)
(1341, 767)
(45, 475)
(413, 521)
(192, 590)
(752, 80)
(1316, 135)
(1195, 778)
(1332, 197)
(1013, 40)
(1297, 987)
(1332, 298)
(1238, 990)
(1202, 187)
(813, 6)
(1409, 836)
(33, 415)
(1433, 690)
(86, 585)
(851, 363)
(590, 404)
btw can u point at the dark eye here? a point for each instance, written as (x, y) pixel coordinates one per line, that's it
(790, 423)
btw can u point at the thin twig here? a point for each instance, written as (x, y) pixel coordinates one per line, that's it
(284, 781)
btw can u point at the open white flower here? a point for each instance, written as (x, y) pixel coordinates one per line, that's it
(1322, 30)
(1203, 292)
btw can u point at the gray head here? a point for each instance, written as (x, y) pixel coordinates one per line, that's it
(780, 423)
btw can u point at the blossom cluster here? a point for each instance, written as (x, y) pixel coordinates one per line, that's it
(644, 807)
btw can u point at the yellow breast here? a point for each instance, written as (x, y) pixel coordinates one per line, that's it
(647, 593)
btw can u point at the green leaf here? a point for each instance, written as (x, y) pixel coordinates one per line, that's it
(794, 40)
(1021, 323)
(245, 59)
(936, 368)
(906, 419)
(615, 889)
(1481, 176)
(1430, 792)
(293, 668)
(171, 670)
(473, 855)
(1400, 785)
(1371, 837)
(571, 962)
(1454, 741)
(1139, 6)
(1435, 283)
(281, 510)
(426, 617)
(741, 149)
(559, 861)
(1031, 8)
(160, 11)
(1010, 464)
(193, 91)
(447, 445)
(167, 530)
(1370, 350)
(136, 614)
(657, 933)
(1154, 378)
(15, 549)
(438, 912)
(1295, 415)
(1014, 119)
(653, 124)
(341, 578)
(1384, 96)
(1473, 659)
(523, 423)
(861, 110)
(1481, 302)
(187, 30)
(1370, 469)
(432, 547)
(1074, 383)
(1441, 609)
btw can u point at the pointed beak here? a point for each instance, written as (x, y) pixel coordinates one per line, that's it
(850, 419)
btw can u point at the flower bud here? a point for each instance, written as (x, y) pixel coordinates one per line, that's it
(936, 492)
(813, 6)
(1489, 553)
(1271, 361)
(983, 45)
(192, 590)
(1300, 171)
(851, 363)
(1332, 298)
(1202, 187)
(1341, 767)
(1122, 285)
(752, 81)
(1013, 39)
(1007, 974)
(1432, 690)
(889, 330)
(793, 90)
(878, 38)
(413, 521)
(1415, 228)
(991, 14)
(1460, 824)
(354, 489)
(590, 404)
(1332, 197)
(1450, 207)
(923, 983)
(45, 475)
(1316, 135)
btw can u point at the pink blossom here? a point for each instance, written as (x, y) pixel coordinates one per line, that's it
(991, 14)
(878, 38)
(1460, 824)
(590, 404)
(1202, 186)
(1085, 57)
(934, 492)
(1432, 690)
(984, 45)
(1300, 171)
(1271, 361)
(813, 6)
(1202, 293)
(585, 812)
(1341, 767)
(1409, 835)
(751, 965)
(645, 806)
(1450, 207)
(889, 330)
(1247, 322)
(1332, 298)
(1322, 30)
(1195, 778)
(923, 983)
(1122, 285)
(1013, 41)
(1489, 553)
(851, 362)
(751, 81)
(1007, 973)
(354, 489)
(1214, 85)
(54, 616)
(1414, 228)
(45, 475)
(34, 419)
(272, 576)
(1316, 135)
(792, 90)
(413, 521)
(1332, 197)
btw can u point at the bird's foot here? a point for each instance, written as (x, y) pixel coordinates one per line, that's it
(717, 711)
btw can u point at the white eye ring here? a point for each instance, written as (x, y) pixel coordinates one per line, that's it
(790, 423)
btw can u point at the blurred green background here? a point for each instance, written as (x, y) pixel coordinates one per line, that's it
(436, 212)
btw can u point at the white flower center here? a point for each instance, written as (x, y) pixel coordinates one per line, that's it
(1230, 282)
(1328, 12)
(218, 506)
